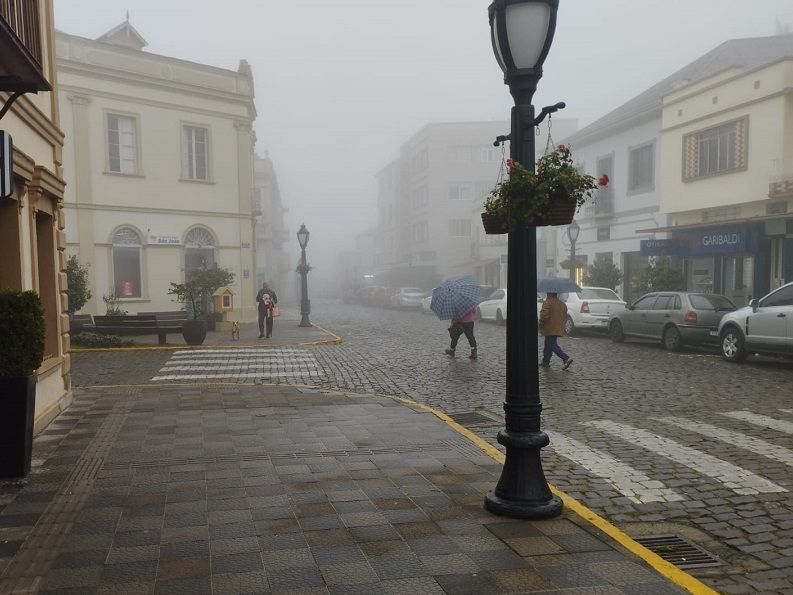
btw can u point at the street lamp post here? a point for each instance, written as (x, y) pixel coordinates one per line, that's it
(521, 32)
(305, 305)
(572, 234)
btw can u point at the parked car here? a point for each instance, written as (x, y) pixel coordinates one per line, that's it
(426, 301)
(676, 318)
(590, 308)
(765, 326)
(374, 295)
(407, 297)
(494, 307)
(485, 291)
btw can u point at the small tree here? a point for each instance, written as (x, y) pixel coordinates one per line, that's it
(660, 275)
(603, 273)
(198, 288)
(77, 284)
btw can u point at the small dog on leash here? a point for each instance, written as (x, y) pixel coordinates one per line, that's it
(235, 331)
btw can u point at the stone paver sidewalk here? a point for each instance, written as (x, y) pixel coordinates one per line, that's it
(265, 489)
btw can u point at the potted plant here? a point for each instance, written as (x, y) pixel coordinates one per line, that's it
(21, 354)
(549, 196)
(195, 293)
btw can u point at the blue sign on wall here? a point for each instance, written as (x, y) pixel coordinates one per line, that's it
(722, 240)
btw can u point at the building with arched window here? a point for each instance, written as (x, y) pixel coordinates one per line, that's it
(159, 168)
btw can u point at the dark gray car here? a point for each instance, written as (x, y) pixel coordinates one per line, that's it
(676, 318)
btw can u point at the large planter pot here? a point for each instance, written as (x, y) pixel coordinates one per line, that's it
(17, 411)
(194, 332)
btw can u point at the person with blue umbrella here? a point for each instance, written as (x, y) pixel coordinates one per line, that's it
(456, 299)
(552, 317)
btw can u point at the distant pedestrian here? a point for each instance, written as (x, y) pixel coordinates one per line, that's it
(463, 325)
(552, 318)
(266, 299)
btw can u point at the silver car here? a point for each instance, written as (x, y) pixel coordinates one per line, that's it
(765, 326)
(676, 318)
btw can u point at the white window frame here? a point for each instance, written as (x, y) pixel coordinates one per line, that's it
(460, 191)
(189, 162)
(460, 228)
(639, 181)
(130, 156)
(127, 246)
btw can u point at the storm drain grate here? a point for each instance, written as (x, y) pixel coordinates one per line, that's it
(473, 418)
(678, 551)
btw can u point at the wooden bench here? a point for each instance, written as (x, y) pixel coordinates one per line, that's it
(141, 324)
(80, 322)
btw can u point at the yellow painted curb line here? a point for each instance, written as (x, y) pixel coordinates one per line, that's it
(664, 568)
(336, 340)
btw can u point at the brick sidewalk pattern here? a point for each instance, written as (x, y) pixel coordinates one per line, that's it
(277, 489)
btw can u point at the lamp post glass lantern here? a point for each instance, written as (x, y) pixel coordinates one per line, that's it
(521, 33)
(305, 305)
(572, 234)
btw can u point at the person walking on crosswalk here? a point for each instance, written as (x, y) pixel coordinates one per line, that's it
(552, 317)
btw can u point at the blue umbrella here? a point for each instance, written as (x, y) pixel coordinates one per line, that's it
(557, 285)
(455, 297)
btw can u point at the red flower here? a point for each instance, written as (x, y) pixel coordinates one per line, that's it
(561, 149)
(510, 164)
(603, 180)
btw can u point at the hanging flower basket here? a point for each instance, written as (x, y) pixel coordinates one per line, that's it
(549, 196)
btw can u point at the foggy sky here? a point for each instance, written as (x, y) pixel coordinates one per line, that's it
(341, 84)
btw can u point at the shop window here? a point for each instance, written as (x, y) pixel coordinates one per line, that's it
(126, 263)
(199, 250)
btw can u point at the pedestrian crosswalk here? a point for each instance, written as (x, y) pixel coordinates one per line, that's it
(240, 364)
(639, 487)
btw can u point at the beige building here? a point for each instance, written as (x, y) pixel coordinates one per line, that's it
(159, 160)
(272, 236)
(32, 238)
(727, 173)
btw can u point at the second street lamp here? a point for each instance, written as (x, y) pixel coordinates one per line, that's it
(305, 305)
(572, 234)
(521, 32)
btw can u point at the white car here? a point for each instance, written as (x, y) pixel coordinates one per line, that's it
(765, 326)
(590, 309)
(407, 297)
(425, 303)
(494, 307)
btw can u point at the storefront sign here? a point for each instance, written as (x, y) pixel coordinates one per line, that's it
(725, 240)
(165, 240)
(6, 165)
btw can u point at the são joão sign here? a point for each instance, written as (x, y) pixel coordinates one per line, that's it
(723, 240)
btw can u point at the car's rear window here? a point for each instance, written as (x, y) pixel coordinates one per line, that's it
(598, 293)
(710, 302)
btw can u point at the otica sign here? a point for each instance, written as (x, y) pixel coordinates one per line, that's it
(726, 240)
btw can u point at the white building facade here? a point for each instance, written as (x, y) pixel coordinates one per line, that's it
(159, 165)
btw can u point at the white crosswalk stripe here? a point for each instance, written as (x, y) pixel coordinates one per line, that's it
(741, 481)
(787, 411)
(240, 364)
(629, 481)
(755, 445)
(779, 425)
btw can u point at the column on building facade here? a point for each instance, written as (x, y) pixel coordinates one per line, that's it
(247, 222)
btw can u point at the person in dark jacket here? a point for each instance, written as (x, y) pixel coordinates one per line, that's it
(266, 299)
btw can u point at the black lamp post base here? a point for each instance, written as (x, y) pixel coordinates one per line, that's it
(523, 509)
(522, 491)
(305, 321)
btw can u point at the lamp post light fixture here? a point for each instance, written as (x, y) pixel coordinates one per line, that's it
(521, 33)
(572, 234)
(305, 305)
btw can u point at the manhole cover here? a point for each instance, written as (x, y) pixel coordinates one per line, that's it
(678, 551)
(473, 419)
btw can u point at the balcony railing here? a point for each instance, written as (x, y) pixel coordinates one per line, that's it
(22, 18)
(602, 207)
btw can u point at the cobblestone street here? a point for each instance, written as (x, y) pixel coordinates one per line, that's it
(657, 442)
